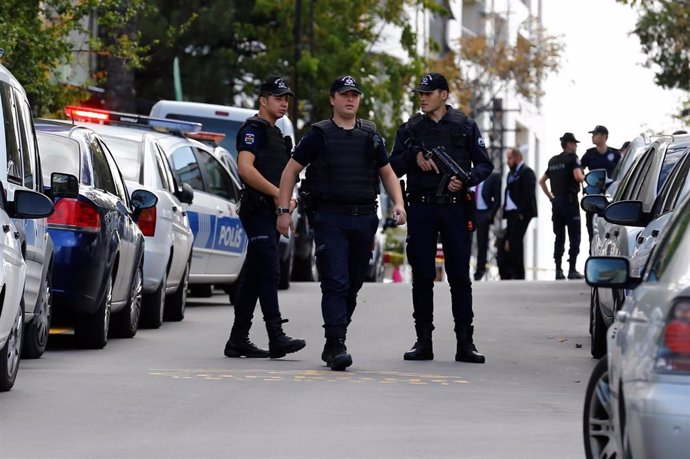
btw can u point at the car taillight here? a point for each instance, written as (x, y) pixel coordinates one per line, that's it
(147, 221)
(72, 213)
(674, 349)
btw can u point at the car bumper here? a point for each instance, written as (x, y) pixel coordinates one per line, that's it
(658, 417)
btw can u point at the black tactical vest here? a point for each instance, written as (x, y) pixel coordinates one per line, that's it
(452, 135)
(345, 171)
(273, 156)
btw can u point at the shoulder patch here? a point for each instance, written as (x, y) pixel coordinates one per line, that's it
(249, 138)
(480, 142)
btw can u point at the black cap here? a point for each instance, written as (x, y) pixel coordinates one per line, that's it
(431, 82)
(568, 137)
(276, 86)
(599, 129)
(345, 83)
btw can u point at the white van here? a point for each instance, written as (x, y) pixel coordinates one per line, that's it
(215, 118)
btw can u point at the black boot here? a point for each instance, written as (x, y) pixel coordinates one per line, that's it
(279, 344)
(572, 272)
(423, 349)
(335, 354)
(559, 271)
(238, 344)
(466, 350)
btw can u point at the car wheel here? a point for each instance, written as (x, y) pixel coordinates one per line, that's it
(201, 290)
(10, 355)
(38, 330)
(598, 427)
(175, 304)
(153, 306)
(598, 327)
(126, 322)
(286, 271)
(91, 331)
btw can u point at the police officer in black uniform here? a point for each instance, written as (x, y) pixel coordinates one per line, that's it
(448, 213)
(601, 156)
(346, 158)
(565, 175)
(263, 153)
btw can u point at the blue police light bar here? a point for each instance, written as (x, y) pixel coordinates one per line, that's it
(107, 117)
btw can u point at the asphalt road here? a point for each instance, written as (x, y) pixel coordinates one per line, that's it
(171, 392)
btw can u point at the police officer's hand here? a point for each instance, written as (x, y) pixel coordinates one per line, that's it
(399, 214)
(293, 205)
(427, 165)
(454, 185)
(284, 224)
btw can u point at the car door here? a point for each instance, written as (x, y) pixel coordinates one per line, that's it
(23, 172)
(229, 245)
(201, 213)
(182, 237)
(127, 230)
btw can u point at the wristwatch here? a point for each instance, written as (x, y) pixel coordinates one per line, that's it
(282, 210)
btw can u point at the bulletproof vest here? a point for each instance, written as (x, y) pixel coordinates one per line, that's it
(273, 156)
(561, 174)
(452, 135)
(345, 171)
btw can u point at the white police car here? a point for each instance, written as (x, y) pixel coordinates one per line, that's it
(20, 236)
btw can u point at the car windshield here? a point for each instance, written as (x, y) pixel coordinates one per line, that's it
(227, 127)
(58, 154)
(127, 155)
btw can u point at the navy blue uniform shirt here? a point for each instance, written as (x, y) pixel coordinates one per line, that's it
(592, 159)
(560, 172)
(249, 138)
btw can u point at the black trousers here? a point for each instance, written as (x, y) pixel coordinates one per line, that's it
(261, 271)
(425, 221)
(481, 221)
(566, 215)
(516, 229)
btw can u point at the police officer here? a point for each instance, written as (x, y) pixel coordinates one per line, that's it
(447, 214)
(263, 153)
(565, 175)
(601, 156)
(346, 158)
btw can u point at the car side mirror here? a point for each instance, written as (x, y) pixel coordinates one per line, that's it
(64, 185)
(596, 178)
(594, 203)
(30, 204)
(609, 272)
(142, 199)
(627, 213)
(185, 194)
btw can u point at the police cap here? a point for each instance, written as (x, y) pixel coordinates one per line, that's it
(431, 82)
(345, 83)
(599, 129)
(568, 137)
(276, 86)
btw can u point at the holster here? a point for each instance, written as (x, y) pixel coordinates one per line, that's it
(252, 203)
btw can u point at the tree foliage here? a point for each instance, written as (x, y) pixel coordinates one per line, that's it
(487, 65)
(36, 40)
(663, 27)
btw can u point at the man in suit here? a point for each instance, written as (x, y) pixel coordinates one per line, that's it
(488, 201)
(520, 206)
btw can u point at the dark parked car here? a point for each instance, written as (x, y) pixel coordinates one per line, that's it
(99, 248)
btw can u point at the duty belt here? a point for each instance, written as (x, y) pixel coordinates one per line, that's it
(346, 209)
(433, 199)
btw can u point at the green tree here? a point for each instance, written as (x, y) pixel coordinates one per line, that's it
(663, 27)
(36, 40)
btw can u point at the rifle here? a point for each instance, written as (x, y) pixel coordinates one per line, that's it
(447, 166)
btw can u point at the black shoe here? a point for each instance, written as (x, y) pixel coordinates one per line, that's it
(284, 345)
(279, 344)
(559, 274)
(335, 354)
(573, 274)
(478, 275)
(244, 348)
(468, 353)
(422, 350)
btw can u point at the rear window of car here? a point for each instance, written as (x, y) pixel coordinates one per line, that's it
(58, 154)
(128, 155)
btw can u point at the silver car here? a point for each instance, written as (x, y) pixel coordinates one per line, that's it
(638, 398)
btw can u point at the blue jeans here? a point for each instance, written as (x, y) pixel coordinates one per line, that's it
(343, 249)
